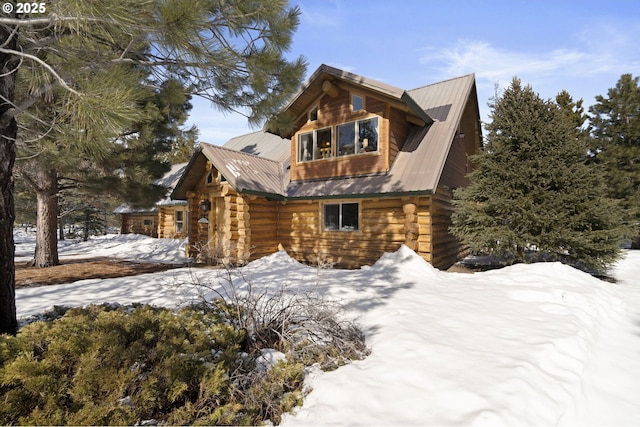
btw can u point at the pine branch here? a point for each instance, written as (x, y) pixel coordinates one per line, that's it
(46, 66)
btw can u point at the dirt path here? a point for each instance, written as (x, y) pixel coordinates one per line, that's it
(79, 269)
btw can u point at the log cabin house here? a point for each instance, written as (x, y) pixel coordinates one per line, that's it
(366, 168)
(166, 219)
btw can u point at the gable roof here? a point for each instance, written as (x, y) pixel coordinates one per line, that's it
(245, 172)
(261, 144)
(258, 162)
(418, 166)
(314, 88)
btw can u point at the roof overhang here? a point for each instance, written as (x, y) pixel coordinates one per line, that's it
(316, 86)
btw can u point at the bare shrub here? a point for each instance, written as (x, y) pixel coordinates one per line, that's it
(299, 321)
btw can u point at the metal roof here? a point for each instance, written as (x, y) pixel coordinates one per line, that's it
(313, 88)
(262, 144)
(258, 162)
(244, 172)
(418, 165)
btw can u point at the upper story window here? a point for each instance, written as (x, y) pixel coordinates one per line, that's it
(357, 137)
(315, 145)
(357, 103)
(313, 114)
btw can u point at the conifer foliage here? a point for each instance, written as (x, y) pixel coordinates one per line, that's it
(533, 194)
(615, 125)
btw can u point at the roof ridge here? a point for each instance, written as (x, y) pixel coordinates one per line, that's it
(442, 81)
(240, 152)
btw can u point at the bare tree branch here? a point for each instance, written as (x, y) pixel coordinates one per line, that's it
(51, 19)
(46, 66)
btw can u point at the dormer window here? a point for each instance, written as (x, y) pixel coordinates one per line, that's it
(313, 114)
(315, 145)
(357, 103)
(357, 137)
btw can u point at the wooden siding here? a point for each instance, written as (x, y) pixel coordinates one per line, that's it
(382, 228)
(465, 144)
(398, 131)
(445, 248)
(167, 225)
(135, 224)
(333, 111)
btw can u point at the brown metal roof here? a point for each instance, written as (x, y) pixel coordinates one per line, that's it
(244, 172)
(168, 180)
(418, 166)
(312, 89)
(262, 144)
(258, 162)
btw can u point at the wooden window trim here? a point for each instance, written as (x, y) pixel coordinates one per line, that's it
(340, 228)
(325, 153)
(312, 115)
(356, 124)
(362, 98)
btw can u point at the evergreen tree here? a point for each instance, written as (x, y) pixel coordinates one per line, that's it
(8, 135)
(533, 189)
(615, 122)
(79, 67)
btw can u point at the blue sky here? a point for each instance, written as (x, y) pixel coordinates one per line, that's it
(580, 46)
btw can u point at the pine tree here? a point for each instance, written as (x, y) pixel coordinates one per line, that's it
(79, 67)
(533, 189)
(615, 124)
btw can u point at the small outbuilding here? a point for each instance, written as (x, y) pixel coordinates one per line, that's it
(166, 219)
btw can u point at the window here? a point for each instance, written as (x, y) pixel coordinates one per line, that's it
(357, 137)
(340, 216)
(357, 103)
(315, 145)
(313, 114)
(147, 222)
(179, 221)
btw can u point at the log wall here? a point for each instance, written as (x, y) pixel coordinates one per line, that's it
(446, 249)
(241, 228)
(134, 224)
(381, 229)
(264, 233)
(167, 222)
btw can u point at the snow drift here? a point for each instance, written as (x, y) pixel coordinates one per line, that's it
(539, 344)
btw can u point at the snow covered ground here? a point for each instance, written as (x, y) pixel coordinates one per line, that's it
(539, 344)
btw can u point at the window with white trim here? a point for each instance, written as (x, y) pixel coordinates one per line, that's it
(179, 221)
(315, 145)
(340, 216)
(357, 137)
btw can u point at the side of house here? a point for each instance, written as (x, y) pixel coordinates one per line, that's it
(366, 168)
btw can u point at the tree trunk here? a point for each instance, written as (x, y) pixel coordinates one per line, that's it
(47, 220)
(60, 228)
(87, 226)
(8, 133)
